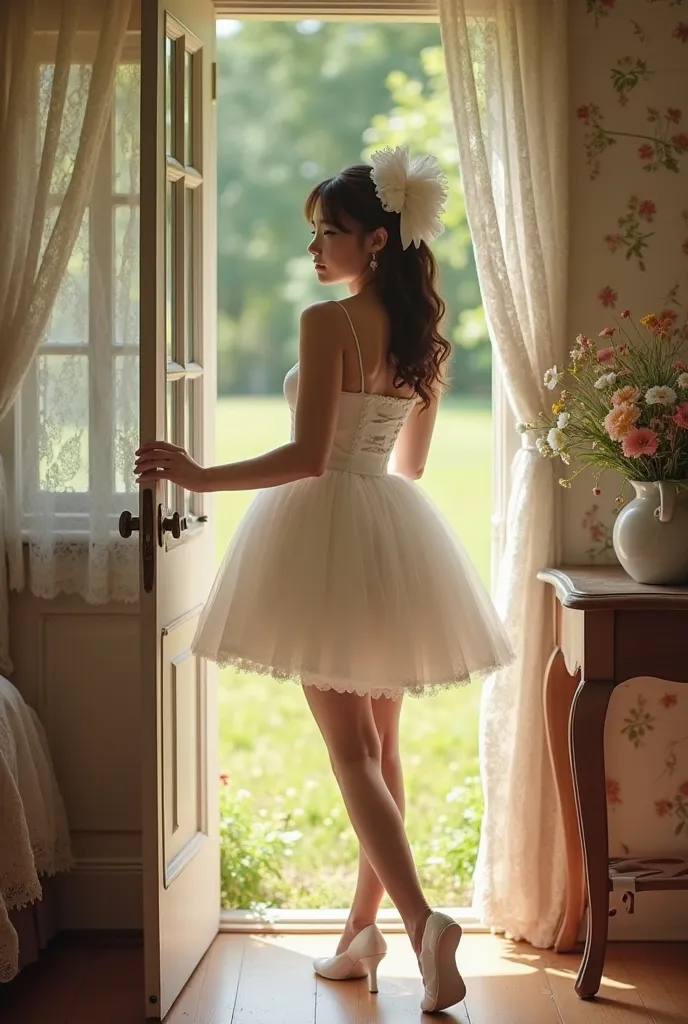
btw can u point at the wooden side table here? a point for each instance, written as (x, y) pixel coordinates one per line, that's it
(608, 629)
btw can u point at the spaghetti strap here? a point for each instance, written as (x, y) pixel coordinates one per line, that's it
(358, 347)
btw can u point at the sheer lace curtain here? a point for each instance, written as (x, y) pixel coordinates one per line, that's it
(68, 295)
(506, 68)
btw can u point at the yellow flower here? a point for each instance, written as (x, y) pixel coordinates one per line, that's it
(557, 407)
(647, 319)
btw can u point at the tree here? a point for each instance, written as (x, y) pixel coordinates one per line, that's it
(296, 103)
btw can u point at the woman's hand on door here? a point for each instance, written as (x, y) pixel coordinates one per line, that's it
(160, 460)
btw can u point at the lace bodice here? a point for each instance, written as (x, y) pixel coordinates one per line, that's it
(367, 427)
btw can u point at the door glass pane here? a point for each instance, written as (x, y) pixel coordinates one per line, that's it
(188, 107)
(170, 414)
(189, 274)
(191, 443)
(170, 54)
(169, 270)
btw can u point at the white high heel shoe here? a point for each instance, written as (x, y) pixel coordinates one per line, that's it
(444, 986)
(359, 960)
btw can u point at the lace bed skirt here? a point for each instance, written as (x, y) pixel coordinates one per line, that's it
(34, 835)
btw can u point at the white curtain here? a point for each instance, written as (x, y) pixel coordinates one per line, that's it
(64, 241)
(507, 73)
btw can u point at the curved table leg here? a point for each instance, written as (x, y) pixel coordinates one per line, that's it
(559, 691)
(587, 757)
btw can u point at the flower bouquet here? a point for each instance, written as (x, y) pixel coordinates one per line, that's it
(624, 406)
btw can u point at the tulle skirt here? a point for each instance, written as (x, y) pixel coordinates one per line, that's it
(353, 583)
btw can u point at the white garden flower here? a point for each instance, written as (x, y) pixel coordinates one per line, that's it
(660, 396)
(556, 439)
(682, 381)
(563, 420)
(552, 377)
(605, 381)
(542, 446)
(521, 427)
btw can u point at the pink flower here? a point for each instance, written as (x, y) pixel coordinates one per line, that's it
(623, 349)
(596, 490)
(625, 313)
(621, 421)
(605, 354)
(680, 416)
(613, 791)
(626, 395)
(680, 366)
(583, 113)
(673, 114)
(607, 296)
(669, 700)
(608, 332)
(669, 314)
(683, 788)
(646, 152)
(680, 141)
(647, 209)
(662, 807)
(641, 441)
(681, 32)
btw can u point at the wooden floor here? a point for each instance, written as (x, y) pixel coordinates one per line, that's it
(248, 979)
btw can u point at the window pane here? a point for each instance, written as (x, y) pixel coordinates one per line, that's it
(169, 269)
(170, 77)
(126, 283)
(127, 141)
(74, 108)
(188, 107)
(170, 413)
(63, 402)
(191, 440)
(69, 322)
(189, 199)
(126, 421)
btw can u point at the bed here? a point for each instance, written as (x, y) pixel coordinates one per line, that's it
(34, 835)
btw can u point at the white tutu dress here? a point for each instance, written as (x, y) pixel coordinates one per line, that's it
(352, 581)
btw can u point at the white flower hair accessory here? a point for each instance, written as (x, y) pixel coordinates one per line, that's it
(416, 189)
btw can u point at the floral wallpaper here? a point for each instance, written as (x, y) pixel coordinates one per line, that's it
(629, 246)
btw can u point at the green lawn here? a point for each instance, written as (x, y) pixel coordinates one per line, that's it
(280, 781)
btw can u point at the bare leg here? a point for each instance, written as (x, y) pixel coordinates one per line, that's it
(369, 888)
(348, 726)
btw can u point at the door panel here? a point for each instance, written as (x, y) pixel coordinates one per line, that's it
(178, 310)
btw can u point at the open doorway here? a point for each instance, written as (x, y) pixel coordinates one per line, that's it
(296, 102)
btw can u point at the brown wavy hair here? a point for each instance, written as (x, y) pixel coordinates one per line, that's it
(405, 279)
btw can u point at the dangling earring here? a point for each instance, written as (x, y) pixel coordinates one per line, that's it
(373, 263)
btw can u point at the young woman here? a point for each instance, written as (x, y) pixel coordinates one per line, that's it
(342, 576)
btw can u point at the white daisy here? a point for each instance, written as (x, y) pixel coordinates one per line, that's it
(660, 396)
(563, 420)
(552, 377)
(556, 439)
(682, 381)
(605, 380)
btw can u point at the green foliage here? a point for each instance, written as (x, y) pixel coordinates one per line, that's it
(296, 103)
(253, 846)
